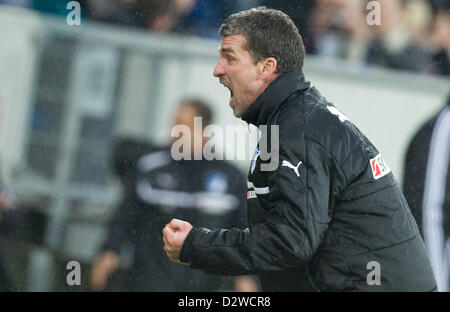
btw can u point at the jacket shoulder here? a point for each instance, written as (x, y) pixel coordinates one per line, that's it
(311, 118)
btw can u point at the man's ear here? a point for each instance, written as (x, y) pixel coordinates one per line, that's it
(268, 68)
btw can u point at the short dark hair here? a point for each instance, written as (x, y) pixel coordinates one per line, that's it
(268, 33)
(202, 109)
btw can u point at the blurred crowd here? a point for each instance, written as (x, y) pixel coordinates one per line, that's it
(412, 34)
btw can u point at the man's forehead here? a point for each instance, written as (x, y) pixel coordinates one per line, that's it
(232, 43)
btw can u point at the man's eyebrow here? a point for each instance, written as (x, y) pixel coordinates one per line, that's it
(226, 50)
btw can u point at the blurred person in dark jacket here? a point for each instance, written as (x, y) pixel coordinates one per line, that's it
(159, 189)
(426, 185)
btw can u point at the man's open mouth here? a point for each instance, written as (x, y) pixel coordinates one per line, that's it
(229, 89)
(231, 92)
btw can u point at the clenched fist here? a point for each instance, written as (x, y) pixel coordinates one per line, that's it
(174, 235)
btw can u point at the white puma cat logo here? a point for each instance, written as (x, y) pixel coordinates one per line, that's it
(285, 163)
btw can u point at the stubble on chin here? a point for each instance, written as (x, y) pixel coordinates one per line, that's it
(237, 112)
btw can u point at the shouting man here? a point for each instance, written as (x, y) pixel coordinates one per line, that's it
(331, 216)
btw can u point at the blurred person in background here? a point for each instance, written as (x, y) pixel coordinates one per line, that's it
(356, 30)
(159, 189)
(395, 44)
(338, 28)
(298, 10)
(205, 16)
(163, 16)
(119, 12)
(202, 18)
(324, 25)
(418, 16)
(426, 185)
(430, 25)
(440, 41)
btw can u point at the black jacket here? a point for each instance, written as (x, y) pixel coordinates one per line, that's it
(158, 189)
(426, 186)
(320, 229)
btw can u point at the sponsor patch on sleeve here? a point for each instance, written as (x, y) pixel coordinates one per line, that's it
(379, 167)
(251, 194)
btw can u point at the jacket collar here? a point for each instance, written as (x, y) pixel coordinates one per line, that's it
(275, 94)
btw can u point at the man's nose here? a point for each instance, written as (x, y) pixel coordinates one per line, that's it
(218, 70)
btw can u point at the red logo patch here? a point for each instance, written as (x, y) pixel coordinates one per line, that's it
(251, 194)
(379, 167)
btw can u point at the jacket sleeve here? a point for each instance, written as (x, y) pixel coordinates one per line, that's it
(296, 215)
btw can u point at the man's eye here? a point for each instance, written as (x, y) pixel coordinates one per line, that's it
(229, 58)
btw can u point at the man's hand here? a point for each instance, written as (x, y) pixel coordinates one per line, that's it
(245, 283)
(105, 265)
(174, 235)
